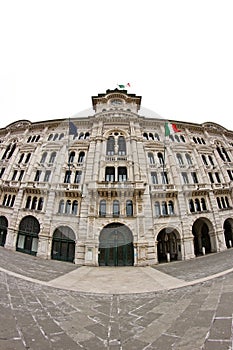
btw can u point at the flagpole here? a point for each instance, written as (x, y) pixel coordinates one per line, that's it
(68, 146)
(164, 154)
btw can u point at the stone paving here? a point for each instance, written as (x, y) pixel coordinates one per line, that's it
(36, 316)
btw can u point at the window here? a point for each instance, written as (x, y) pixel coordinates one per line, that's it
(2, 172)
(71, 157)
(151, 158)
(110, 146)
(43, 158)
(68, 206)
(77, 178)
(27, 158)
(170, 208)
(129, 208)
(61, 206)
(110, 174)
(194, 177)
(21, 158)
(21, 175)
(164, 177)
(67, 176)
(185, 178)
(37, 176)
(180, 159)
(211, 177)
(102, 208)
(47, 175)
(40, 203)
(116, 208)
(154, 178)
(34, 203)
(157, 209)
(74, 207)
(122, 174)
(160, 157)
(188, 159)
(81, 157)
(52, 157)
(14, 175)
(121, 146)
(217, 177)
(164, 208)
(204, 159)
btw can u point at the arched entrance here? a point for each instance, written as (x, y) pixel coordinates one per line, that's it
(63, 246)
(3, 230)
(116, 246)
(168, 247)
(202, 241)
(228, 232)
(27, 240)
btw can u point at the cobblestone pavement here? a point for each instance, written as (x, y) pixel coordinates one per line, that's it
(37, 317)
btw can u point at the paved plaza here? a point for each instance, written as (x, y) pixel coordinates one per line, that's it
(47, 304)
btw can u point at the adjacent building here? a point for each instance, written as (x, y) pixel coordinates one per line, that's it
(113, 188)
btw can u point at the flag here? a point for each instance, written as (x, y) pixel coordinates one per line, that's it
(170, 129)
(72, 129)
(122, 86)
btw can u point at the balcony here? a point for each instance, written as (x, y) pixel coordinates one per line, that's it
(115, 189)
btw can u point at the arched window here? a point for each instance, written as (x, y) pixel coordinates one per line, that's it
(61, 136)
(71, 157)
(151, 136)
(151, 158)
(27, 158)
(28, 203)
(4, 199)
(81, 136)
(122, 173)
(87, 136)
(171, 137)
(203, 204)
(43, 158)
(219, 203)
(55, 137)
(204, 159)
(164, 208)
(40, 203)
(61, 207)
(34, 203)
(116, 208)
(50, 137)
(182, 138)
(180, 159)
(121, 146)
(21, 158)
(68, 206)
(52, 157)
(177, 138)
(197, 205)
(74, 207)
(81, 157)
(11, 151)
(191, 206)
(160, 157)
(110, 146)
(211, 160)
(145, 136)
(170, 208)
(37, 138)
(129, 208)
(102, 208)
(188, 159)
(110, 173)
(157, 137)
(157, 209)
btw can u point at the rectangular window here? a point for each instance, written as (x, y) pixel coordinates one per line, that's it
(211, 178)
(14, 175)
(218, 177)
(2, 172)
(164, 177)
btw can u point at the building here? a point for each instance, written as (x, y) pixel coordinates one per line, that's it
(110, 188)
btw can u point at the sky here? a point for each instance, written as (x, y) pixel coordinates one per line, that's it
(56, 54)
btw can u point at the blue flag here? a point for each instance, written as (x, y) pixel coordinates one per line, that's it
(72, 129)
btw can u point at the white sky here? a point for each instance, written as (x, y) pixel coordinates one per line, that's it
(56, 54)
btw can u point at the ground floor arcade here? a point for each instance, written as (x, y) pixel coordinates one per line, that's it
(117, 245)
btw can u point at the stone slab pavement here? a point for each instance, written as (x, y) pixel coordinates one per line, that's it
(197, 314)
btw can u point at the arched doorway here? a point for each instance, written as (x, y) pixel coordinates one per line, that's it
(63, 246)
(228, 232)
(116, 246)
(202, 241)
(3, 230)
(27, 240)
(167, 247)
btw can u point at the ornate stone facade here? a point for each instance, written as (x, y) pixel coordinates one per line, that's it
(110, 189)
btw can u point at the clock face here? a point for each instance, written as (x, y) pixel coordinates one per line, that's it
(116, 102)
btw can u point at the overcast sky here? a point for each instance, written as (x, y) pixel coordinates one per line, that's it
(176, 54)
